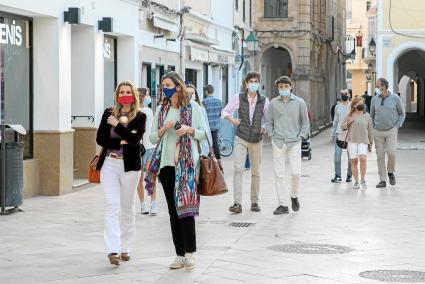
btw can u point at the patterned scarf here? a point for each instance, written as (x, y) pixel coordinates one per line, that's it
(186, 197)
(153, 170)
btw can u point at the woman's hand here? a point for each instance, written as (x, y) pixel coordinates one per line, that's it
(123, 142)
(169, 124)
(184, 130)
(112, 120)
(369, 147)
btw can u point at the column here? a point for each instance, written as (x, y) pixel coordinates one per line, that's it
(53, 136)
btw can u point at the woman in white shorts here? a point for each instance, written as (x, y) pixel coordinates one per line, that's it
(360, 139)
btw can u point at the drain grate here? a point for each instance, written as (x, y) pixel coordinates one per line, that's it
(311, 249)
(241, 224)
(394, 275)
(213, 222)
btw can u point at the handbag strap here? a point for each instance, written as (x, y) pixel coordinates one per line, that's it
(348, 132)
(209, 146)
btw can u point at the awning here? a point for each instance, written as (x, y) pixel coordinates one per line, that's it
(202, 39)
(222, 57)
(197, 54)
(165, 24)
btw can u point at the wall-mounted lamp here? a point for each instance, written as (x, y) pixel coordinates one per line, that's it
(72, 16)
(105, 25)
(372, 47)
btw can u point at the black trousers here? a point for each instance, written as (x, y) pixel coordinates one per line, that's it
(214, 135)
(182, 230)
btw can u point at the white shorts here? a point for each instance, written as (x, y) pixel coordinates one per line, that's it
(357, 149)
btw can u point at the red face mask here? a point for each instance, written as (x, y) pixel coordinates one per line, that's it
(126, 100)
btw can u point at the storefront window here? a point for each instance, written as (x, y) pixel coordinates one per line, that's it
(191, 77)
(110, 70)
(16, 78)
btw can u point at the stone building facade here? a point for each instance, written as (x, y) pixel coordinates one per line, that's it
(303, 39)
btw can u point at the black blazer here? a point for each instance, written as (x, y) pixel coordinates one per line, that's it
(132, 134)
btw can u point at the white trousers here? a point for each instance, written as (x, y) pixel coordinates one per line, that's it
(280, 156)
(120, 189)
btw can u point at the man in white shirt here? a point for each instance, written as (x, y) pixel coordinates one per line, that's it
(341, 111)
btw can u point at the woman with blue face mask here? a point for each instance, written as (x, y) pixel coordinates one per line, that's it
(177, 127)
(145, 101)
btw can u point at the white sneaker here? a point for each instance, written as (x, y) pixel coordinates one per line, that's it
(363, 184)
(154, 209)
(189, 262)
(145, 209)
(356, 185)
(178, 262)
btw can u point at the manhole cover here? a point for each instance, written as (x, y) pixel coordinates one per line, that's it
(311, 249)
(241, 224)
(394, 275)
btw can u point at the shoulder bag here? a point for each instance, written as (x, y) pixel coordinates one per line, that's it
(211, 179)
(93, 173)
(341, 140)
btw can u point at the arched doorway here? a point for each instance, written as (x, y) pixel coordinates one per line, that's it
(275, 62)
(409, 73)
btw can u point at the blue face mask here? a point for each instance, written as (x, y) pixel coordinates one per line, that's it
(169, 92)
(253, 87)
(285, 93)
(147, 101)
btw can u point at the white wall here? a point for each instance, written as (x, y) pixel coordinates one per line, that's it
(56, 49)
(83, 80)
(52, 74)
(222, 12)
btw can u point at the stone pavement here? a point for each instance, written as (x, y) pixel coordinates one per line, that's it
(59, 239)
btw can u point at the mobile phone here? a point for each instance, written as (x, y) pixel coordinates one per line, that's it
(177, 125)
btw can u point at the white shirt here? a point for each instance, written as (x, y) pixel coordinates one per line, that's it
(149, 119)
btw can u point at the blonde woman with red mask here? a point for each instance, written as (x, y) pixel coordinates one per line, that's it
(119, 133)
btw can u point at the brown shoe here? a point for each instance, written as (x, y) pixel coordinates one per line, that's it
(125, 256)
(114, 259)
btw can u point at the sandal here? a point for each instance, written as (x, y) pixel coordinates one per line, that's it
(125, 256)
(114, 259)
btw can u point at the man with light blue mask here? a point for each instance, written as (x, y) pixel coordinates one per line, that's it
(287, 124)
(251, 107)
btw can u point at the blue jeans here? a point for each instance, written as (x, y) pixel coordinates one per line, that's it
(337, 161)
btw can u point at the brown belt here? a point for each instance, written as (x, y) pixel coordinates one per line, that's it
(115, 156)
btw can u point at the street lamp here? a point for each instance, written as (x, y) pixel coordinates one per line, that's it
(252, 42)
(372, 46)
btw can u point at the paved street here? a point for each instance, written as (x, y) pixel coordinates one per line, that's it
(59, 239)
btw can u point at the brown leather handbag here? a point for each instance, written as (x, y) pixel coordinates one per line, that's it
(211, 179)
(93, 173)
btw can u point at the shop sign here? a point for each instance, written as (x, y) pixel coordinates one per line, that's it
(107, 49)
(221, 59)
(11, 34)
(198, 55)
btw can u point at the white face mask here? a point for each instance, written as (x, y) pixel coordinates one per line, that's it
(378, 91)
